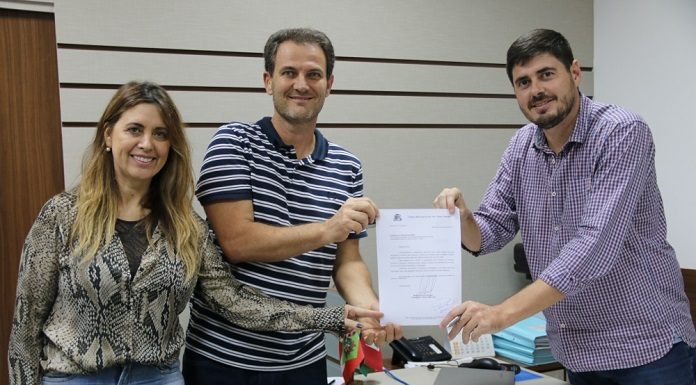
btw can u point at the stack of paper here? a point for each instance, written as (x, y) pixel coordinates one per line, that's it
(525, 342)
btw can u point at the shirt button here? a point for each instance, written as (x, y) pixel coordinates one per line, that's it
(553, 193)
(562, 326)
(556, 228)
(553, 160)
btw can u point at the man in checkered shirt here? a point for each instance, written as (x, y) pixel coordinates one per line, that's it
(579, 183)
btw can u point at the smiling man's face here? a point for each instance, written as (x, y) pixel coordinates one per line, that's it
(546, 91)
(299, 84)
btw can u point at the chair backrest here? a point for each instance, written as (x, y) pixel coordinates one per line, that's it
(521, 265)
(690, 288)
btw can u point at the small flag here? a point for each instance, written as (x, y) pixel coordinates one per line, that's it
(358, 356)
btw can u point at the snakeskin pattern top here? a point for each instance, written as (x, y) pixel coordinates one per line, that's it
(81, 318)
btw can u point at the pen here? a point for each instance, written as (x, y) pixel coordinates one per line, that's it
(454, 321)
(331, 382)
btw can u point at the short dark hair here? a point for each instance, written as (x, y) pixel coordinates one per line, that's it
(537, 42)
(298, 35)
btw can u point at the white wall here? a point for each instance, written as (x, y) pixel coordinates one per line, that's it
(431, 107)
(645, 55)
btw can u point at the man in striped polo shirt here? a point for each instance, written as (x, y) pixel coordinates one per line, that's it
(287, 208)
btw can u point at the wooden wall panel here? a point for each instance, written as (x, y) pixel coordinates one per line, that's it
(420, 93)
(424, 66)
(228, 70)
(30, 137)
(456, 30)
(177, 69)
(86, 105)
(203, 70)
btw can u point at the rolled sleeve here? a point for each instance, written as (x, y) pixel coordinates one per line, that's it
(497, 215)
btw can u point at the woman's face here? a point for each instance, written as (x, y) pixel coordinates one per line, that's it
(139, 143)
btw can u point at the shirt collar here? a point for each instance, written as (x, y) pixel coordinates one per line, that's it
(580, 131)
(321, 145)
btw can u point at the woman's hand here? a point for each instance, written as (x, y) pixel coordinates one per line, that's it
(353, 313)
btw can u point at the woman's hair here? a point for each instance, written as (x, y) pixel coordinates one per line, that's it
(171, 190)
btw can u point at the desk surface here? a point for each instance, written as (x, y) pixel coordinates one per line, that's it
(425, 376)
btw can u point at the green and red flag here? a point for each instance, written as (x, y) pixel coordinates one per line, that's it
(357, 356)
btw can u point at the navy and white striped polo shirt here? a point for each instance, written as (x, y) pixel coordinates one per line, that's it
(250, 161)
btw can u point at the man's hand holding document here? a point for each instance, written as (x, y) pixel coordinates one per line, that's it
(419, 261)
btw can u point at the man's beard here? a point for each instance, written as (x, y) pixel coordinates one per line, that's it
(547, 121)
(294, 117)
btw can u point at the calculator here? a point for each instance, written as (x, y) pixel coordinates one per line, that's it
(482, 348)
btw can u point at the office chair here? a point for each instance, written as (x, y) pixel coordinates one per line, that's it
(520, 258)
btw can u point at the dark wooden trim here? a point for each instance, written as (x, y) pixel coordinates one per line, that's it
(424, 94)
(180, 51)
(420, 125)
(173, 51)
(110, 86)
(689, 276)
(346, 125)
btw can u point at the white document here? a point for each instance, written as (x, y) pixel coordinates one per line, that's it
(419, 263)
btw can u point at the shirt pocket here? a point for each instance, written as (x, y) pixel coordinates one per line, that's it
(577, 194)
